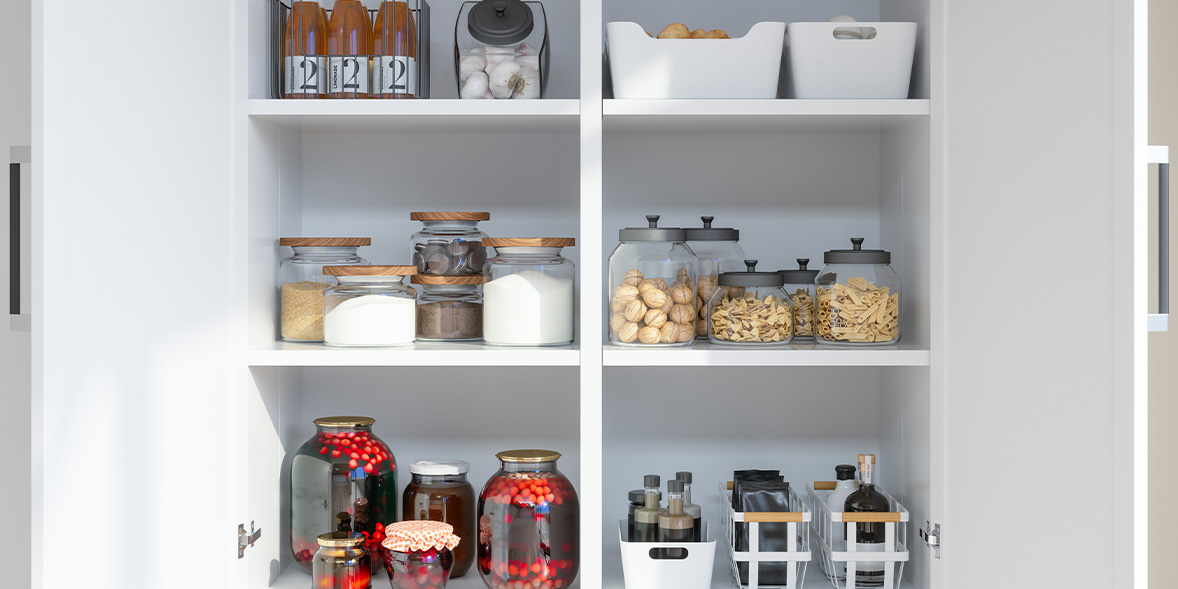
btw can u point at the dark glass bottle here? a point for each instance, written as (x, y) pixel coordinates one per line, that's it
(690, 508)
(675, 525)
(646, 519)
(869, 537)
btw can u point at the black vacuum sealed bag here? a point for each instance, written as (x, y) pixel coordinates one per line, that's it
(764, 496)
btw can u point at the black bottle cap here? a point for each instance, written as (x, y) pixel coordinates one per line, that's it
(651, 480)
(675, 486)
(684, 476)
(844, 472)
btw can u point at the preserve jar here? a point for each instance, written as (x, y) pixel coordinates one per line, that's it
(370, 306)
(501, 50)
(343, 479)
(750, 309)
(449, 308)
(528, 297)
(449, 243)
(419, 554)
(341, 562)
(440, 492)
(858, 298)
(301, 282)
(529, 523)
(652, 287)
(717, 250)
(801, 288)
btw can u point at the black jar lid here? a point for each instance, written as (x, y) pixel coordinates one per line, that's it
(857, 255)
(709, 233)
(750, 277)
(800, 276)
(844, 472)
(500, 22)
(652, 232)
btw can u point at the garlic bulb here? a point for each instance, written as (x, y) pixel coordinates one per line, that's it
(470, 64)
(509, 80)
(497, 55)
(476, 86)
(528, 61)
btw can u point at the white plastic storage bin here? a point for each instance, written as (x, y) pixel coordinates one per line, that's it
(690, 569)
(838, 557)
(798, 530)
(744, 67)
(876, 66)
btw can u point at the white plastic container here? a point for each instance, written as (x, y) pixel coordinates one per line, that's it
(743, 67)
(641, 571)
(822, 65)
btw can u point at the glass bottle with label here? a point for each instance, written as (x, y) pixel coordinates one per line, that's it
(646, 519)
(869, 537)
(690, 508)
(349, 43)
(394, 52)
(303, 52)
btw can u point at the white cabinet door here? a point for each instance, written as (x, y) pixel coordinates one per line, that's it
(132, 325)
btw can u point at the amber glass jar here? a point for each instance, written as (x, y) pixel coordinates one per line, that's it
(440, 492)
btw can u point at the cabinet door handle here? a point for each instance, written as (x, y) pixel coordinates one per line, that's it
(17, 156)
(1160, 155)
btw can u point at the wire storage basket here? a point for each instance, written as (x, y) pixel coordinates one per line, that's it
(797, 534)
(845, 566)
(390, 58)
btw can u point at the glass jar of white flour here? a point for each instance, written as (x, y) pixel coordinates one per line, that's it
(370, 306)
(528, 296)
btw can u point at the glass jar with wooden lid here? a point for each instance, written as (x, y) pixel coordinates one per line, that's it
(301, 282)
(449, 308)
(528, 297)
(370, 306)
(449, 243)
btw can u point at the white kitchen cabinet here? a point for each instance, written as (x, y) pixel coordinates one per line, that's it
(1003, 187)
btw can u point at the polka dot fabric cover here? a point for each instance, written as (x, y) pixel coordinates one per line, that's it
(412, 536)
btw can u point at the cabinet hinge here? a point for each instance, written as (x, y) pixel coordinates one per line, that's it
(245, 540)
(931, 534)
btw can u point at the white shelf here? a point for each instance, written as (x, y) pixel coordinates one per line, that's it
(419, 354)
(798, 354)
(419, 115)
(759, 115)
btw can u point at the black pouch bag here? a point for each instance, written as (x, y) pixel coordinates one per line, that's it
(739, 476)
(765, 496)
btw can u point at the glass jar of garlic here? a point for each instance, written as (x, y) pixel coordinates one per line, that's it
(652, 287)
(858, 298)
(717, 250)
(750, 308)
(799, 284)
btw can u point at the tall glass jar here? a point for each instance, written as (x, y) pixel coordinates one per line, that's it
(801, 288)
(341, 562)
(449, 243)
(370, 307)
(717, 250)
(858, 298)
(750, 309)
(529, 523)
(501, 50)
(440, 492)
(343, 479)
(449, 308)
(528, 298)
(652, 287)
(419, 554)
(301, 282)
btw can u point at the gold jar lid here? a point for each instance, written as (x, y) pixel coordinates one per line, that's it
(344, 421)
(340, 539)
(528, 455)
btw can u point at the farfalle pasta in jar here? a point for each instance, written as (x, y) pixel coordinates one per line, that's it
(858, 298)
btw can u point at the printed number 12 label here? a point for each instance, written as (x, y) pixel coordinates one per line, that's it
(348, 74)
(304, 75)
(397, 74)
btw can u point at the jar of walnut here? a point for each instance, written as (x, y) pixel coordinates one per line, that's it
(651, 287)
(858, 298)
(718, 250)
(750, 308)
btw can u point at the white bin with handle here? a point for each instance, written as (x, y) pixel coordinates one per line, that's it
(667, 565)
(824, 64)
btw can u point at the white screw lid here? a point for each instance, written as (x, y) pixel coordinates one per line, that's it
(439, 467)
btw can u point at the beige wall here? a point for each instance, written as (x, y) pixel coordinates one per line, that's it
(1163, 347)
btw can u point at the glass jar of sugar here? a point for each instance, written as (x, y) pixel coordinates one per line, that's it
(301, 282)
(528, 296)
(370, 306)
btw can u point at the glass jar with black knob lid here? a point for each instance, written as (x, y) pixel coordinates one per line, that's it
(858, 298)
(652, 287)
(717, 250)
(750, 308)
(449, 243)
(799, 284)
(501, 50)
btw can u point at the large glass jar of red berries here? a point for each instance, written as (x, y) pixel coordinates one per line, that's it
(344, 479)
(529, 524)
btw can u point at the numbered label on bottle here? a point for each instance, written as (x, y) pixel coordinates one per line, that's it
(305, 75)
(347, 74)
(396, 74)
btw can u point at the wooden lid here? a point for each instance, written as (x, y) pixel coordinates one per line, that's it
(529, 242)
(432, 279)
(369, 270)
(449, 216)
(325, 241)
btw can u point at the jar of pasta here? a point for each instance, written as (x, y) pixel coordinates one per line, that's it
(858, 298)
(750, 308)
(799, 285)
(717, 250)
(652, 287)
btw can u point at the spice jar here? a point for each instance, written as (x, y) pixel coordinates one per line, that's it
(449, 308)
(343, 479)
(717, 250)
(301, 281)
(449, 243)
(501, 50)
(529, 523)
(341, 562)
(750, 308)
(800, 286)
(858, 298)
(440, 492)
(419, 554)
(652, 287)
(528, 296)
(369, 307)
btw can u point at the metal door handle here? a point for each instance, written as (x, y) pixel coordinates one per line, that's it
(1160, 155)
(17, 156)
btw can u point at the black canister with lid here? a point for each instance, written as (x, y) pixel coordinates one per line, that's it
(718, 250)
(652, 287)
